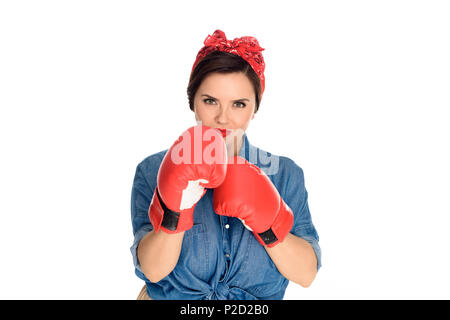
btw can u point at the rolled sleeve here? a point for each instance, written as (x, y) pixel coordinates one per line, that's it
(137, 238)
(141, 195)
(309, 233)
(296, 197)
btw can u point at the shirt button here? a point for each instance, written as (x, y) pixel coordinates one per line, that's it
(227, 226)
(227, 255)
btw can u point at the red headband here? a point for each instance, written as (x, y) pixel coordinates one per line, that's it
(246, 47)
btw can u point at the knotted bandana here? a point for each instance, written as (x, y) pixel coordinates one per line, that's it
(246, 47)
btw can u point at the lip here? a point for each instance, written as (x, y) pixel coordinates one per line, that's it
(224, 132)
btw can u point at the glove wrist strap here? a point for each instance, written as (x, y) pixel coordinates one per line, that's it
(280, 228)
(161, 217)
(170, 218)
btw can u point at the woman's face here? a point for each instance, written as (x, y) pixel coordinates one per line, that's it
(226, 101)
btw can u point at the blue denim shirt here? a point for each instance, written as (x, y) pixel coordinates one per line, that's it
(220, 258)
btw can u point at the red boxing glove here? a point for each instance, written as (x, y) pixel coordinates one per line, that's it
(197, 160)
(248, 194)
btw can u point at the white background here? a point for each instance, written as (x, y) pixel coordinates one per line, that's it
(357, 94)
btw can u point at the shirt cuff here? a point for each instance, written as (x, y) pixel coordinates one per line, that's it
(315, 245)
(137, 238)
(306, 232)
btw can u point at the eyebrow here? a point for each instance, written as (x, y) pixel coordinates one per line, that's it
(207, 95)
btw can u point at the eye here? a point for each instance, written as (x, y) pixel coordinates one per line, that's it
(242, 104)
(207, 99)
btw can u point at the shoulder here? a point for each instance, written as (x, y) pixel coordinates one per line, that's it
(151, 161)
(291, 175)
(149, 166)
(278, 165)
(283, 171)
(290, 166)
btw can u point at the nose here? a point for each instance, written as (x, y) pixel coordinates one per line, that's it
(222, 116)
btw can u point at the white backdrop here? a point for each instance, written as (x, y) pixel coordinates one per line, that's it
(357, 94)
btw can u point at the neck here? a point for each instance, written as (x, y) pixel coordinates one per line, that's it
(234, 146)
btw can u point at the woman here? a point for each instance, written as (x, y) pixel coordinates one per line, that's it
(245, 229)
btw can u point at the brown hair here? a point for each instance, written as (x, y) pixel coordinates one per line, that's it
(222, 62)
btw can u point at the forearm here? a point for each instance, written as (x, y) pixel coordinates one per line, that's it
(158, 253)
(295, 259)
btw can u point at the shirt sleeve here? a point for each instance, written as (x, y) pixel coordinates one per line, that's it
(141, 196)
(296, 197)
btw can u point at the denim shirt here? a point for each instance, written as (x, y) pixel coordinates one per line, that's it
(220, 258)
